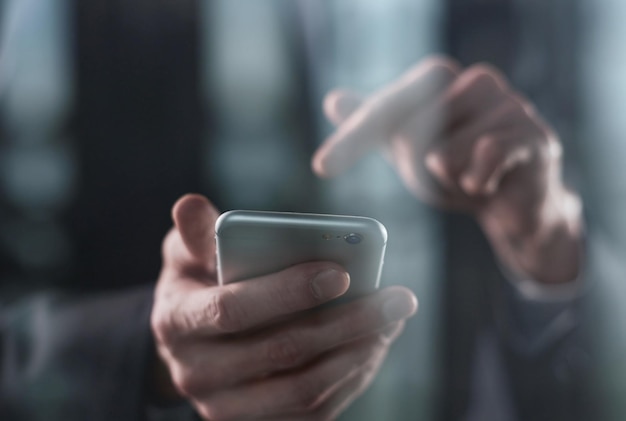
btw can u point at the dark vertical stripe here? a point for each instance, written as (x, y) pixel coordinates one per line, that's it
(474, 31)
(137, 130)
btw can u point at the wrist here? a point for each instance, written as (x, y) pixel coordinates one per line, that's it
(549, 253)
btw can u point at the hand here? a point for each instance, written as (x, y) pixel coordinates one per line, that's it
(251, 350)
(463, 139)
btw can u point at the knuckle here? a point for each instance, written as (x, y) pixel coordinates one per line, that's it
(438, 71)
(441, 61)
(285, 351)
(222, 312)
(487, 74)
(441, 68)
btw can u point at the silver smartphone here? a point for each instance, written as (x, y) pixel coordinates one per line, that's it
(254, 243)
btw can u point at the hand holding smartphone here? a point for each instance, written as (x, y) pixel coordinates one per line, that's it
(255, 243)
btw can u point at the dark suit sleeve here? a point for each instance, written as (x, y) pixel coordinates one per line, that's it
(76, 357)
(547, 350)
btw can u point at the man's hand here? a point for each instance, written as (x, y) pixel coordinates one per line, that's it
(253, 349)
(463, 139)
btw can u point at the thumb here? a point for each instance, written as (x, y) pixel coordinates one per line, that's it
(340, 104)
(194, 217)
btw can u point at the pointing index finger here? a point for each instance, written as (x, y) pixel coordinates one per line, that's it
(383, 112)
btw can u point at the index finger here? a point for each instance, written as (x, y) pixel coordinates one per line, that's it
(195, 309)
(377, 117)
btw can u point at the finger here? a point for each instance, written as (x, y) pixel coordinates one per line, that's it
(495, 155)
(192, 241)
(346, 393)
(298, 342)
(194, 217)
(471, 97)
(207, 367)
(449, 158)
(475, 103)
(372, 123)
(304, 339)
(299, 392)
(473, 93)
(193, 309)
(469, 101)
(340, 104)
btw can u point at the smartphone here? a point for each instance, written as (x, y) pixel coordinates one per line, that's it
(255, 243)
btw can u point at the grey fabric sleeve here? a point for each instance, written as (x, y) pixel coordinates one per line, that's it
(547, 350)
(76, 357)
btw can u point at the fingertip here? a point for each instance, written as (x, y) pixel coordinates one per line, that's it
(410, 295)
(317, 166)
(414, 301)
(194, 217)
(402, 304)
(470, 185)
(320, 164)
(436, 164)
(190, 206)
(330, 283)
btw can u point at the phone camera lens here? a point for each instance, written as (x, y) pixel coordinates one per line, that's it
(353, 238)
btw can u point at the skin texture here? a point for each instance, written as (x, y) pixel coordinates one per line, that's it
(460, 139)
(465, 140)
(253, 349)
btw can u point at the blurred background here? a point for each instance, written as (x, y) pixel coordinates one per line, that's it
(110, 110)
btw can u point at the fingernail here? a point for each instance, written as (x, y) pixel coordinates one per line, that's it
(399, 308)
(329, 284)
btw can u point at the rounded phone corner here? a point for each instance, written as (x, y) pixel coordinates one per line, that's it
(223, 220)
(380, 227)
